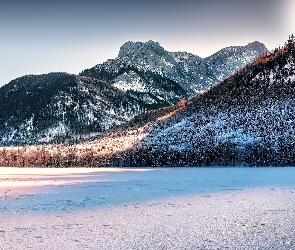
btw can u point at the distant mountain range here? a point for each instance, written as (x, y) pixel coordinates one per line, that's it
(60, 107)
(149, 73)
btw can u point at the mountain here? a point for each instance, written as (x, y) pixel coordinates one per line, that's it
(41, 108)
(230, 59)
(247, 119)
(61, 107)
(149, 73)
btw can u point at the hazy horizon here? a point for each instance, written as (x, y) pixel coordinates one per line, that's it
(39, 37)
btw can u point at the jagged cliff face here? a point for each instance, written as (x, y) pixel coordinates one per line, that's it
(157, 77)
(57, 107)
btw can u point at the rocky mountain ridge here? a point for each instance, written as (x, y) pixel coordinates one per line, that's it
(61, 107)
(159, 78)
(247, 119)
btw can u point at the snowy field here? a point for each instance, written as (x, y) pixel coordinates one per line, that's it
(175, 208)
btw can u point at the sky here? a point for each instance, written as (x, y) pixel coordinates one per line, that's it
(38, 37)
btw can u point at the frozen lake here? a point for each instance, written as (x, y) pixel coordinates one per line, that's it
(49, 190)
(169, 208)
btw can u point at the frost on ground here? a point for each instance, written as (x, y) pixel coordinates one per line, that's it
(233, 220)
(175, 208)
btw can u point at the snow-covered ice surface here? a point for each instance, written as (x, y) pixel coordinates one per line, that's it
(169, 208)
(75, 189)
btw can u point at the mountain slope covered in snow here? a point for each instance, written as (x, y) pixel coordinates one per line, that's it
(149, 73)
(61, 107)
(58, 106)
(247, 119)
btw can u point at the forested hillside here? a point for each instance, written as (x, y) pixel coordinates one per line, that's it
(66, 108)
(247, 119)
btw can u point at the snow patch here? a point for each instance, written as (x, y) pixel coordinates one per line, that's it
(130, 81)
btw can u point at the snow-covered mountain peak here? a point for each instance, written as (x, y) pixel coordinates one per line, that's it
(147, 72)
(257, 46)
(230, 59)
(131, 49)
(252, 48)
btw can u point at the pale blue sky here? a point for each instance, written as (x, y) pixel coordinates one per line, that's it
(69, 36)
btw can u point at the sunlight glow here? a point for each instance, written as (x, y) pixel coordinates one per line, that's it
(14, 178)
(291, 16)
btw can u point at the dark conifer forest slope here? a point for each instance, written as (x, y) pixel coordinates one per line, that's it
(42, 108)
(61, 107)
